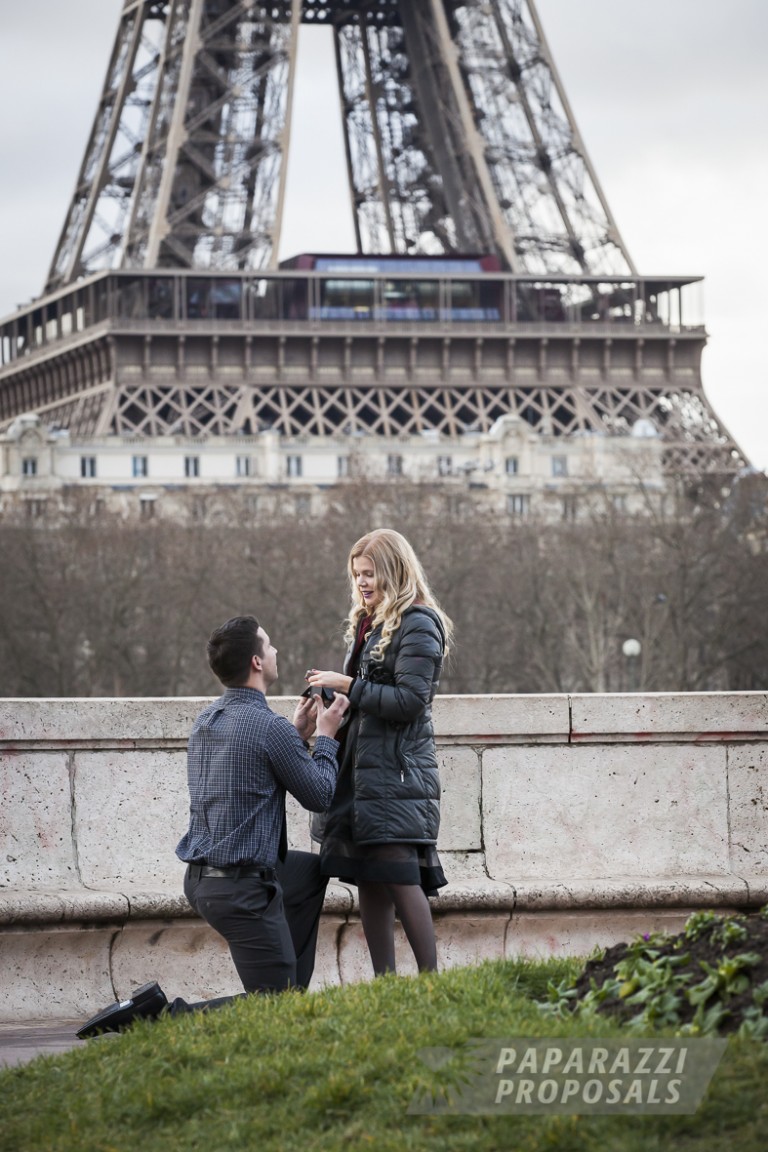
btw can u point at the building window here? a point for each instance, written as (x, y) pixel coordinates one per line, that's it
(303, 505)
(36, 508)
(444, 465)
(199, 509)
(147, 507)
(394, 465)
(511, 466)
(455, 506)
(88, 467)
(191, 466)
(620, 504)
(243, 466)
(140, 466)
(342, 466)
(559, 465)
(293, 465)
(570, 507)
(518, 504)
(29, 466)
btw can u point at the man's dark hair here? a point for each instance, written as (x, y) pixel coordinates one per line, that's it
(231, 647)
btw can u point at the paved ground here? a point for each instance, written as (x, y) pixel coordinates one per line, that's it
(20, 1043)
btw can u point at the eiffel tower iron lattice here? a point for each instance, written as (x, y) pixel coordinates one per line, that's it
(490, 276)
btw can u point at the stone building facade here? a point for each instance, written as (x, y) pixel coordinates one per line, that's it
(509, 470)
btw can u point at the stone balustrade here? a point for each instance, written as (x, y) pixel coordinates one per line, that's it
(569, 822)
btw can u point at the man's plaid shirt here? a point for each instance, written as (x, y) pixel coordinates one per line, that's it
(242, 759)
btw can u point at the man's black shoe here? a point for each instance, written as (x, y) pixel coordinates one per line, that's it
(147, 1001)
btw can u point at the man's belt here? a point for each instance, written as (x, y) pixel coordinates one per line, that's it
(209, 872)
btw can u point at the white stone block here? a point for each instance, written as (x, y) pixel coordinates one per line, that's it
(55, 973)
(748, 807)
(131, 811)
(539, 935)
(584, 812)
(464, 940)
(36, 848)
(460, 827)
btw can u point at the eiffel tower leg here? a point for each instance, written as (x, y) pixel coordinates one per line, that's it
(186, 165)
(94, 175)
(546, 186)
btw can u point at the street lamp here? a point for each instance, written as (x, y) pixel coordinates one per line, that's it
(631, 649)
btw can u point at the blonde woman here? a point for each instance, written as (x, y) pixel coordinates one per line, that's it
(381, 830)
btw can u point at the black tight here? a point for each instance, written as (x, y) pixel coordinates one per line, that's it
(378, 905)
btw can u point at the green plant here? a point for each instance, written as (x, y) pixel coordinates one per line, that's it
(725, 979)
(700, 923)
(561, 998)
(732, 930)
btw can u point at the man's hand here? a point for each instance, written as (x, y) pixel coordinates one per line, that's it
(329, 719)
(305, 716)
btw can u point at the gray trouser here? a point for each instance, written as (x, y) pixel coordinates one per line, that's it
(270, 925)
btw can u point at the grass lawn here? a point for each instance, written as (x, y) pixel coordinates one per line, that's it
(338, 1069)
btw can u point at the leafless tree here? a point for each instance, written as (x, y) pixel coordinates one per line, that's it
(96, 606)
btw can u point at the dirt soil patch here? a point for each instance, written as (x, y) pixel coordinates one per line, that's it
(698, 970)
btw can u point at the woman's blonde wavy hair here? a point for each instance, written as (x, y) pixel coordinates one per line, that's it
(400, 579)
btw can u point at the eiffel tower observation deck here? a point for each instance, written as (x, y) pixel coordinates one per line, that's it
(489, 276)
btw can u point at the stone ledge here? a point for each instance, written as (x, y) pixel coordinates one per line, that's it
(72, 970)
(633, 892)
(620, 892)
(84, 905)
(661, 717)
(80, 721)
(148, 722)
(41, 907)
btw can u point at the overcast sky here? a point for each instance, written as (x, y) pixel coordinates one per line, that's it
(671, 97)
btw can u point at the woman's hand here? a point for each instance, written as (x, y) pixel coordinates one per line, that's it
(335, 680)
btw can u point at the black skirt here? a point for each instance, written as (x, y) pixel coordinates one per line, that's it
(398, 863)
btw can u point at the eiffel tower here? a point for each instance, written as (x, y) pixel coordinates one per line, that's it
(489, 276)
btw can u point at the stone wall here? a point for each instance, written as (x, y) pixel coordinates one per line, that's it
(568, 822)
